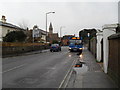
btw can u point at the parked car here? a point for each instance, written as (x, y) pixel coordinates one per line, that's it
(55, 47)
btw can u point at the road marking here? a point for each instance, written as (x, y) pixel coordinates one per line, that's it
(13, 68)
(66, 75)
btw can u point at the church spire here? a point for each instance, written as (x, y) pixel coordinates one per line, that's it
(50, 28)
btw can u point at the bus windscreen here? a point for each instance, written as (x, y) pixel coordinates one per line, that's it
(75, 41)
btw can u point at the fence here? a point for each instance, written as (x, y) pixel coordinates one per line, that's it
(114, 58)
(92, 46)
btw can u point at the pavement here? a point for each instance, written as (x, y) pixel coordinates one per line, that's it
(90, 75)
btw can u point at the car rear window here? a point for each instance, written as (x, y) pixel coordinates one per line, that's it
(55, 45)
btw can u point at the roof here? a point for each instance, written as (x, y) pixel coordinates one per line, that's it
(114, 36)
(50, 25)
(107, 26)
(9, 25)
(43, 32)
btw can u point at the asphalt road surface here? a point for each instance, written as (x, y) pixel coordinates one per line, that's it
(42, 70)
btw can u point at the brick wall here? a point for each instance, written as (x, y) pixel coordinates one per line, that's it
(65, 42)
(17, 48)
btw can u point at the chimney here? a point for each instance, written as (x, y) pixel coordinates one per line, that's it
(3, 19)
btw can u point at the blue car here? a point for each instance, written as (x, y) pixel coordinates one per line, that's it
(55, 47)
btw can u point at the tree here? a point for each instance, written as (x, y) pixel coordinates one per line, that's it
(84, 34)
(15, 36)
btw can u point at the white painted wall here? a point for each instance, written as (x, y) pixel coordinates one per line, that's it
(99, 38)
(4, 31)
(108, 30)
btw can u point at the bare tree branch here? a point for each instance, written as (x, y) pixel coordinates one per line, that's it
(24, 24)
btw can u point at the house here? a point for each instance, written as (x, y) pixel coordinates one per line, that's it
(7, 27)
(52, 36)
(36, 35)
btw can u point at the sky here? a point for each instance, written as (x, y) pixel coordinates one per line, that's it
(72, 16)
(119, 12)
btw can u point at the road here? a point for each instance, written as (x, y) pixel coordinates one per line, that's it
(42, 70)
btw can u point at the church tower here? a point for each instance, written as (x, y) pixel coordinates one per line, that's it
(50, 29)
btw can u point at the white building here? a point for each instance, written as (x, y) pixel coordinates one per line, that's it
(36, 31)
(108, 30)
(39, 33)
(7, 27)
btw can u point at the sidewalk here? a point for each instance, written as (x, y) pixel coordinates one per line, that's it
(90, 75)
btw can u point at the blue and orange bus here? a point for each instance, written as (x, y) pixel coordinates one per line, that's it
(75, 44)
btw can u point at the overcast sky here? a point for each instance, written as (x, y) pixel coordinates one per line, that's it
(74, 16)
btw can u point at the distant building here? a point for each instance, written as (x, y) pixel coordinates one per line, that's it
(65, 39)
(52, 36)
(7, 27)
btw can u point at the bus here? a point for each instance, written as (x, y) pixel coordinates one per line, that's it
(75, 44)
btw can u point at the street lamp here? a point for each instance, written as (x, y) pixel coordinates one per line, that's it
(46, 23)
